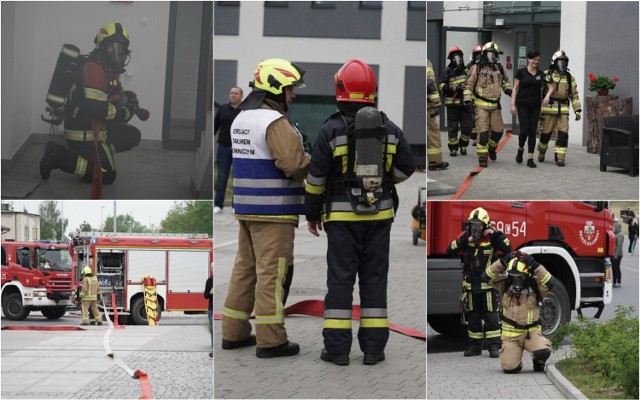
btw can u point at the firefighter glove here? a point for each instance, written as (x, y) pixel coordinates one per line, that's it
(529, 260)
(578, 115)
(468, 105)
(508, 92)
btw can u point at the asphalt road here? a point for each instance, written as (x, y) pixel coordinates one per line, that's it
(73, 318)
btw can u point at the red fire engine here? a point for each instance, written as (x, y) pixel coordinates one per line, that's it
(180, 264)
(36, 276)
(571, 239)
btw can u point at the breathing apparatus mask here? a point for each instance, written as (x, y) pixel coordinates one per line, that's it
(116, 56)
(518, 276)
(475, 228)
(562, 66)
(491, 57)
(457, 60)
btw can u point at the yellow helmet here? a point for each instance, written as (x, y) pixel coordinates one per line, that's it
(274, 74)
(517, 267)
(480, 214)
(112, 46)
(112, 32)
(491, 46)
(86, 271)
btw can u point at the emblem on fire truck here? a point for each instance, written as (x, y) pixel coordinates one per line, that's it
(589, 235)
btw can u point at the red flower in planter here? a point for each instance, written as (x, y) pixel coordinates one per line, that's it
(615, 79)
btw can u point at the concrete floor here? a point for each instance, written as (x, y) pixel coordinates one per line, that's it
(143, 173)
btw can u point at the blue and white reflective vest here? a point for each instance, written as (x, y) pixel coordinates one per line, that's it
(259, 187)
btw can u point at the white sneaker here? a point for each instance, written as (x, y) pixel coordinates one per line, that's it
(217, 210)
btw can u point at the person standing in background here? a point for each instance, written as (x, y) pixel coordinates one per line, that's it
(222, 123)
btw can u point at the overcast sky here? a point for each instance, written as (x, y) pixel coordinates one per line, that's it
(146, 212)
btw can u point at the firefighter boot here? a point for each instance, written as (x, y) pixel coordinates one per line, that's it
(494, 351)
(433, 166)
(463, 151)
(286, 349)
(492, 153)
(540, 358)
(230, 345)
(373, 358)
(559, 160)
(482, 160)
(342, 359)
(472, 351)
(50, 160)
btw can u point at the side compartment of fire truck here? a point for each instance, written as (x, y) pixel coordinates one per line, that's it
(180, 275)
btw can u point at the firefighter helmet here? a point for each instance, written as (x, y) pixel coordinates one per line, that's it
(355, 82)
(274, 74)
(86, 271)
(476, 51)
(453, 50)
(490, 52)
(480, 214)
(518, 273)
(560, 61)
(112, 45)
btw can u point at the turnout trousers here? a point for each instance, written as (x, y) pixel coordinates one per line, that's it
(513, 344)
(434, 144)
(357, 249)
(483, 306)
(265, 250)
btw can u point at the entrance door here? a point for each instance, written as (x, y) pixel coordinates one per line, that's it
(187, 79)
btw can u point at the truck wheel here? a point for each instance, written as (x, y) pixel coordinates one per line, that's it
(416, 234)
(138, 313)
(555, 310)
(447, 324)
(13, 309)
(54, 312)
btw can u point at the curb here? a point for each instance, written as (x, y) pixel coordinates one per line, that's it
(562, 383)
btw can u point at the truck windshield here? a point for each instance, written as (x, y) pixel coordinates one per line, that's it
(54, 260)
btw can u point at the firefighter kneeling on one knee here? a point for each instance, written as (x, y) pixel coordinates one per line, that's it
(483, 87)
(523, 283)
(477, 246)
(555, 115)
(89, 295)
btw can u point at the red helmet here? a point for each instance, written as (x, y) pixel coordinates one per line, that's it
(355, 82)
(477, 49)
(454, 49)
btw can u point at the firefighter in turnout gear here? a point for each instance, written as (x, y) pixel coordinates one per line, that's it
(434, 145)
(358, 157)
(89, 295)
(555, 115)
(523, 283)
(97, 95)
(269, 167)
(478, 246)
(476, 52)
(451, 84)
(483, 87)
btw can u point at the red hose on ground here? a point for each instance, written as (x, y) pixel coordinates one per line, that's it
(315, 308)
(42, 328)
(467, 181)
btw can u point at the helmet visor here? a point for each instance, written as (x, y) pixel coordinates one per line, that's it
(118, 56)
(492, 57)
(457, 60)
(562, 65)
(477, 227)
(518, 281)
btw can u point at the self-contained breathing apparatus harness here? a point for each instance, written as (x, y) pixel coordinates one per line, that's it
(363, 201)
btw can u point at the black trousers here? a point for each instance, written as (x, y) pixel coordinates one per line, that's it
(484, 306)
(120, 137)
(615, 265)
(357, 249)
(529, 116)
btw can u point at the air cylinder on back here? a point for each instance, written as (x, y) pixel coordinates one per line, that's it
(62, 79)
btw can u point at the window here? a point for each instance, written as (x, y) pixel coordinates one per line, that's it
(276, 4)
(26, 233)
(323, 4)
(371, 5)
(229, 3)
(417, 5)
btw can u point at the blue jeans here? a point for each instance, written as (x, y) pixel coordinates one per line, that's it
(224, 158)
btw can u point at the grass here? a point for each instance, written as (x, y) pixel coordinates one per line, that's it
(588, 381)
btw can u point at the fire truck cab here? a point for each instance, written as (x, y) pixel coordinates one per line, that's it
(180, 264)
(572, 239)
(36, 276)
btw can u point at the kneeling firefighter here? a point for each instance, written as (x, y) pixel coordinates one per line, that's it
(523, 283)
(358, 157)
(478, 245)
(87, 95)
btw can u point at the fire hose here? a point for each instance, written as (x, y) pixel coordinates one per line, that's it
(135, 374)
(467, 180)
(150, 299)
(315, 308)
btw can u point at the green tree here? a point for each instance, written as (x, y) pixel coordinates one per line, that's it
(124, 223)
(189, 217)
(52, 225)
(85, 227)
